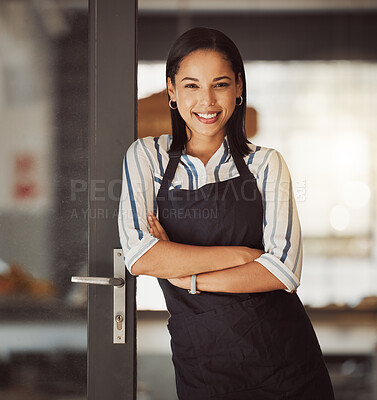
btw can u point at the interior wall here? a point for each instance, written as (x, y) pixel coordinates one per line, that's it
(270, 36)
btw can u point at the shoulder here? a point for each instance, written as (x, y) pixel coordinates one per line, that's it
(150, 146)
(266, 161)
(261, 154)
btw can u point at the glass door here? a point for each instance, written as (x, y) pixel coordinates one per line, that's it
(67, 115)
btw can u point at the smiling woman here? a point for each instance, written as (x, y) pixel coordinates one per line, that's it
(246, 335)
(205, 91)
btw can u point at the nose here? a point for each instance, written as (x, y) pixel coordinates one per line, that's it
(207, 97)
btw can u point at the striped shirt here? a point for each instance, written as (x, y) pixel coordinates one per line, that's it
(143, 168)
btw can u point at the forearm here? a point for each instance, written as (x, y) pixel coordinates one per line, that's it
(247, 278)
(167, 259)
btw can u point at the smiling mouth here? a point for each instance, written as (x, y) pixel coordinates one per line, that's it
(209, 118)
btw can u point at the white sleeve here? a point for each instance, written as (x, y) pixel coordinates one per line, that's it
(137, 198)
(282, 237)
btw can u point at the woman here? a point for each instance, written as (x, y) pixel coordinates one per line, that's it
(224, 238)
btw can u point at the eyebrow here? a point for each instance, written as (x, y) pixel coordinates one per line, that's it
(197, 80)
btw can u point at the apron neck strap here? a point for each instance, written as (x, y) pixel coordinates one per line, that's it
(174, 158)
(241, 165)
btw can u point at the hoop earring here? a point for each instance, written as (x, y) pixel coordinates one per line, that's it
(173, 108)
(190, 133)
(241, 101)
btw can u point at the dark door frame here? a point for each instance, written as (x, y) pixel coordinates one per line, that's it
(112, 128)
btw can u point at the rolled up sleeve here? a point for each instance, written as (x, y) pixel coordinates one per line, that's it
(137, 198)
(282, 236)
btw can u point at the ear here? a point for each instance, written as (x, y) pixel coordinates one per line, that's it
(171, 90)
(239, 85)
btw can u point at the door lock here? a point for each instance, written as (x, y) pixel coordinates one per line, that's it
(119, 294)
(119, 320)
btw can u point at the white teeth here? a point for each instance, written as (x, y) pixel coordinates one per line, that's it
(207, 116)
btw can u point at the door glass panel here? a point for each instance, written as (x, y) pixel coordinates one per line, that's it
(43, 199)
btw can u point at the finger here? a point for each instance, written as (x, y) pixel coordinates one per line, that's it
(152, 226)
(152, 223)
(150, 219)
(158, 227)
(154, 231)
(161, 231)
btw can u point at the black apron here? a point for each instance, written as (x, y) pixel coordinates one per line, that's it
(234, 346)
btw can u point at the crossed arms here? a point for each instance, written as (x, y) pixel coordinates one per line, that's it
(234, 269)
(219, 268)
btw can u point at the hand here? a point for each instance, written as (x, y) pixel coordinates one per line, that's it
(183, 282)
(155, 227)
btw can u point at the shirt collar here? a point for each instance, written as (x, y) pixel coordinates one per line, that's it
(223, 151)
(224, 146)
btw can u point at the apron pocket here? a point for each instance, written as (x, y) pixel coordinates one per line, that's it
(188, 377)
(295, 344)
(231, 347)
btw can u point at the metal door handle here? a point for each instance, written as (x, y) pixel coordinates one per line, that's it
(91, 280)
(119, 294)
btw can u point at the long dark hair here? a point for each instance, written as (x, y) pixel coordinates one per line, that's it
(202, 38)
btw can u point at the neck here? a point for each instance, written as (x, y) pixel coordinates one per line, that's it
(203, 147)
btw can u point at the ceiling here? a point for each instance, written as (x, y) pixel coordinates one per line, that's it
(157, 6)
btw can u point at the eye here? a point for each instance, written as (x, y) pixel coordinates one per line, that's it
(191, 85)
(222, 84)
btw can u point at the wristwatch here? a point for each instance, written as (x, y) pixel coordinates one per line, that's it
(193, 285)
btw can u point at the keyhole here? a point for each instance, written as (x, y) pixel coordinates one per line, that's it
(119, 320)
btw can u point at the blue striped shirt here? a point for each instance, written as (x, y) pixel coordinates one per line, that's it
(143, 168)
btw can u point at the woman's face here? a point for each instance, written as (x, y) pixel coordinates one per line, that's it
(205, 91)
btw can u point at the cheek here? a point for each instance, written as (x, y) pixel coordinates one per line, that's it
(182, 109)
(231, 105)
(185, 104)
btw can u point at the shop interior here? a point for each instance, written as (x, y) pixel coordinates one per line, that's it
(311, 70)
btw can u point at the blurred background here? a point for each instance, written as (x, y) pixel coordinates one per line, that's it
(312, 94)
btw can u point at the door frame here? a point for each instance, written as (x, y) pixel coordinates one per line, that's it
(112, 128)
